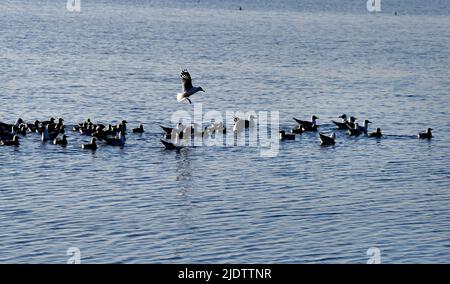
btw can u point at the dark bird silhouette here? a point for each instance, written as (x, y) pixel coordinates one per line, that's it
(115, 141)
(90, 146)
(307, 123)
(343, 124)
(376, 134)
(139, 129)
(61, 142)
(327, 140)
(286, 136)
(425, 135)
(13, 142)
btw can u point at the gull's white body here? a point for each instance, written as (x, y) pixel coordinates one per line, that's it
(239, 125)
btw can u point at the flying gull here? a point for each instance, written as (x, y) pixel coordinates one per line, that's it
(188, 89)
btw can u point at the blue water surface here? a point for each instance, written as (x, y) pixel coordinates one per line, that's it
(121, 59)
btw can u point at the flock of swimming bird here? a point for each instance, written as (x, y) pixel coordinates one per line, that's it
(181, 131)
(115, 135)
(347, 123)
(55, 132)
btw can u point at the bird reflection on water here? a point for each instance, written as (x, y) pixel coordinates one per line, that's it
(184, 170)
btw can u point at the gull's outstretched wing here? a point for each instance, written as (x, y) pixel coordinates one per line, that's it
(186, 80)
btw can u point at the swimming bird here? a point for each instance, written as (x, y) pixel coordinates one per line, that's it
(327, 140)
(50, 124)
(173, 131)
(90, 146)
(307, 123)
(13, 142)
(343, 123)
(34, 126)
(62, 142)
(354, 131)
(376, 134)
(100, 133)
(140, 129)
(286, 136)
(425, 135)
(358, 130)
(351, 122)
(170, 146)
(310, 128)
(81, 125)
(365, 127)
(50, 121)
(116, 141)
(121, 126)
(188, 89)
(89, 130)
(60, 126)
(240, 124)
(8, 127)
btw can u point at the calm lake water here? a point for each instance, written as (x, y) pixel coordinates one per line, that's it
(310, 204)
